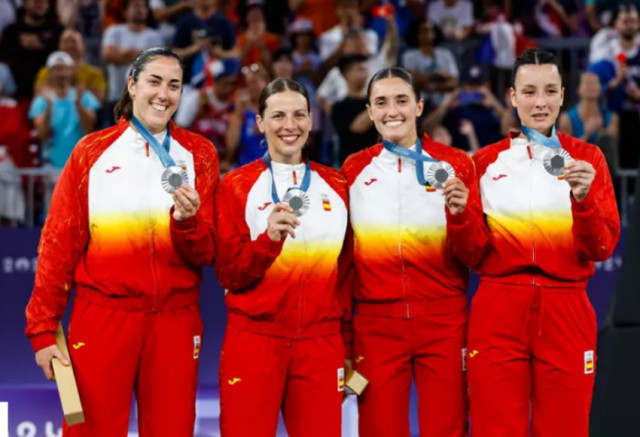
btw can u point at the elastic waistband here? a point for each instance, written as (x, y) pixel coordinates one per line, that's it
(530, 280)
(138, 303)
(278, 329)
(409, 310)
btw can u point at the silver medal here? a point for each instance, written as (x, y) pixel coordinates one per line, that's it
(554, 161)
(438, 173)
(172, 178)
(298, 200)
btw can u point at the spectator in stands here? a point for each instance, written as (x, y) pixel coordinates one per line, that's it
(15, 129)
(587, 120)
(86, 76)
(86, 17)
(27, 43)
(8, 13)
(256, 44)
(434, 68)
(62, 114)
(454, 18)
(317, 11)
(244, 140)
(209, 114)
(590, 122)
(349, 116)
(600, 13)
(356, 42)
(276, 14)
(166, 13)
(331, 43)
(473, 102)
(121, 45)
(557, 18)
(202, 34)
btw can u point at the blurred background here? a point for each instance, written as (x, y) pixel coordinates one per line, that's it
(64, 63)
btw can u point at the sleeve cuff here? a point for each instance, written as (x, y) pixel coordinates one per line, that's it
(186, 225)
(585, 206)
(458, 220)
(41, 341)
(268, 247)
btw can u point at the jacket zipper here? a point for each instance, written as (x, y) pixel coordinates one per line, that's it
(400, 235)
(154, 268)
(531, 226)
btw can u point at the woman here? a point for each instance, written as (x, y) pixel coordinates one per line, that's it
(411, 239)
(551, 212)
(281, 224)
(134, 253)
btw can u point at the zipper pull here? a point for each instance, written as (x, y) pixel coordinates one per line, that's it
(147, 147)
(529, 151)
(295, 178)
(399, 165)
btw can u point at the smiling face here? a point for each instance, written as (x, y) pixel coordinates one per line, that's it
(394, 109)
(156, 93)
(538, 96)
(286, 123)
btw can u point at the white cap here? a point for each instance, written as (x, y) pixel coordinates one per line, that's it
(59, 58)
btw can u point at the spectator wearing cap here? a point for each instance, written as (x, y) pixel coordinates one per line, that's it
(62, 114)
(208, 111)
(121, 45)
(331, 42)
(454, 18)
(26, 44)
(306, 60)
(256, 43)
(349, 116)
(202, 34)
(592, 123)
(244, 140)
(434, 68)
(87, 76)
(473, 102)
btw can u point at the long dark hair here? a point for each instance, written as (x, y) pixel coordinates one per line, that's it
(534, 57)
(392, 72)
(280, 85)
(124, 107)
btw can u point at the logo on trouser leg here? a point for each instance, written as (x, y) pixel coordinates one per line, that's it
(341, 379)
(196, 347)
(589, 363)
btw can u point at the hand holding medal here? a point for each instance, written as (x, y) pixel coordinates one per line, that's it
(580, 176)
(456, 195)
(282, 221)
(186, 201)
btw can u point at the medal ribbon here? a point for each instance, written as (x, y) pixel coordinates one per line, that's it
(306, 179)
(539, 138)
(418, 157)
(161, 150)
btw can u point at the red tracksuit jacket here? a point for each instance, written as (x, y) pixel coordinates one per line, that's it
(110, 231)
(406, 244)
(293, 281)
(535, 225)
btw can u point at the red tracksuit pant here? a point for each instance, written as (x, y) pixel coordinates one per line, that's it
(262, 371)
(390, 349)
(118, 352)
(531, 360)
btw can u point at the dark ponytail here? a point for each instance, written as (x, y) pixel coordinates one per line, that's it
(124, 107)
